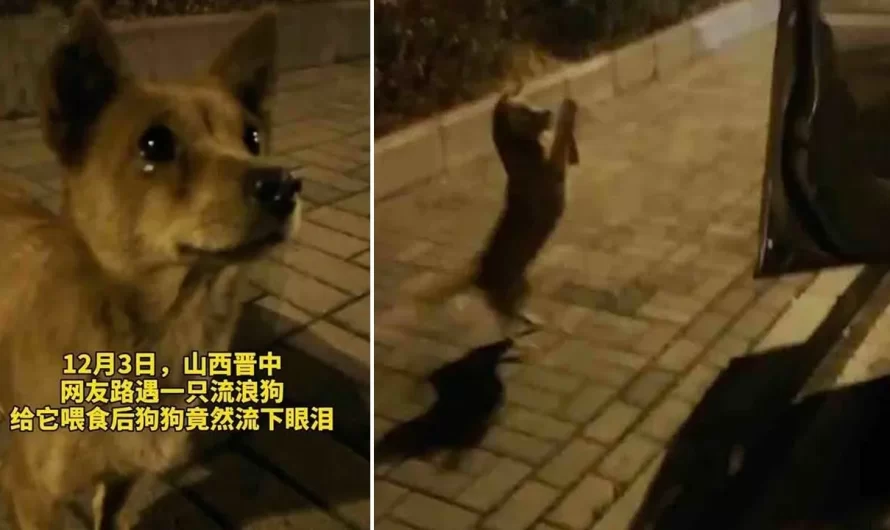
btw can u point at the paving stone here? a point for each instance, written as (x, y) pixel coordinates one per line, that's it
(428, 478)
(679, 355)
(706, 327)
(671, 308)
(536, 424)
(356, 316)
(521, 510)
(648, 387)
(694, 384)
(477, 462)
(490, 489)
(517, 445)
(735, 300)
(656, 338)
(389, 524)
(330, 241)
(628, 458)
(386, 495)
(359, 204)
(324, 160)
(421, 511)
(342, 221)
(549, 379)
(326, 268)
(726, 348)
(753, 323)
(587, 403)
(614, 421)
(155, 504)
(363, 259)
(584, 503)
(325, 340)
(296, 288)
(663, 421)
(573, 461)
(532, 398)
(258, 495)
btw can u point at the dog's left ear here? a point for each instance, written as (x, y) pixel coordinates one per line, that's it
(83, 74)
(248, 66)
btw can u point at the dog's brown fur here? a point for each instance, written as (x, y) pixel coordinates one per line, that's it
(144, 257)
(533, 203)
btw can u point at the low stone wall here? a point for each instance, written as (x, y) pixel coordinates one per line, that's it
(866, 6)
(311, 33)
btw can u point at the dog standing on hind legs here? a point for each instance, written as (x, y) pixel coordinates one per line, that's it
(166, 198)
(533, 205)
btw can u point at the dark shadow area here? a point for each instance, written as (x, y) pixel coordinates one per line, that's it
(824, 464)
(719, 467)
(243, 477)
(469, 392)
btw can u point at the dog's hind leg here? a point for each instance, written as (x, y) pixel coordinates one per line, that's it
(108, 504)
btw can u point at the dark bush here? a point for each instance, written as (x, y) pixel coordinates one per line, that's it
(137, 8)
(429, 57)
(432, 54)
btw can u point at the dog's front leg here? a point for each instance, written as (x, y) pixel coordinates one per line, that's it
(564, 150)
(108, 504)
(30, 507)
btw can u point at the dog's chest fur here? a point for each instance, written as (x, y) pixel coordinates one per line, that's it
(58, 301)
(533, 204)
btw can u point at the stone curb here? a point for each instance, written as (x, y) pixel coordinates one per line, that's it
(801, 319)
(454, 138)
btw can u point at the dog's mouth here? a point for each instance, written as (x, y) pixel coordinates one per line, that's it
(244, 251)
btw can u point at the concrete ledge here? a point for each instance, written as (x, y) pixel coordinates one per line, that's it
(674, 49)
(634, 64)
(591, 81)
(462, 135)
(408, 156)
(798, 323)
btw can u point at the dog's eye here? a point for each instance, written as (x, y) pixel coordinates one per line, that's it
(252, 140)
(157, 144)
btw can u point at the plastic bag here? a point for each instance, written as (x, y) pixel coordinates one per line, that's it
(826, 186)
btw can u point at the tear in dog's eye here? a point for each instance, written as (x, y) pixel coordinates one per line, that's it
(252, 140)
(158, 144)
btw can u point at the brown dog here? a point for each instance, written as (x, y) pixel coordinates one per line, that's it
(166, 197)
(533, 204)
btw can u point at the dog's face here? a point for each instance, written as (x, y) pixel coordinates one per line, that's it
(522, 119)
(164, 174)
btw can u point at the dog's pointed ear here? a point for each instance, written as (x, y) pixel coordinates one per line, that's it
(248, 67)
(83, 74)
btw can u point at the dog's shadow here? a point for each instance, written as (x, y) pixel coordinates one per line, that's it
(469, 392)
(246, 477)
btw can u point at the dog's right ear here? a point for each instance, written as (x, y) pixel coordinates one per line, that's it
(248, 66)
(83, 74)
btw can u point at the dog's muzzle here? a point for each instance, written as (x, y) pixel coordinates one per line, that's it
(275, 189)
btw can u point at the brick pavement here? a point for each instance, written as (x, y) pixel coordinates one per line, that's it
(646, 286)
(310, 303)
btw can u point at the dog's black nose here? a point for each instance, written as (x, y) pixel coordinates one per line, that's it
(275, 189)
